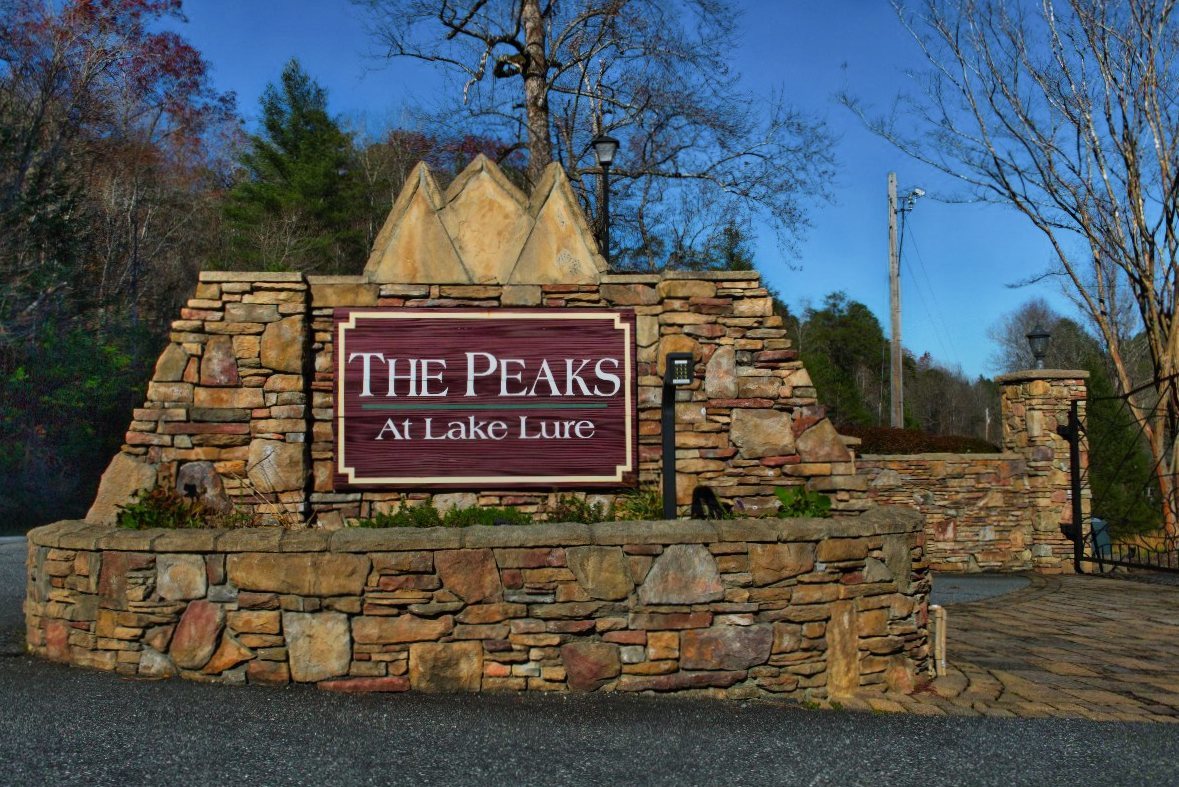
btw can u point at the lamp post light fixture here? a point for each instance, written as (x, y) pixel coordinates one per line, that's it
(1038, 341)
(605, 146)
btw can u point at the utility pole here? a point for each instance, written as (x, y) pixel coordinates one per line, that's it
(897, 391)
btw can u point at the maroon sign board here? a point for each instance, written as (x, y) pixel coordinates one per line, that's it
(484, 398)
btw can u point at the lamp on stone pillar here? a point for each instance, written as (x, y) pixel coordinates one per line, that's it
(605, 146)
(1038, 341)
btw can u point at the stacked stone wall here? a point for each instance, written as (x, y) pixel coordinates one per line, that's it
(809, 609)
(226, 410)
(1005, 511)
(750, 422)
(975, 506)
(243, 395)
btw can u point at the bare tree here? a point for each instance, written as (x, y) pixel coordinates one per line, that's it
(1066, 111)
(657, 75)
(103, 129)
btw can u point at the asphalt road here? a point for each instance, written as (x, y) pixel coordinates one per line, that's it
(12, 592)
(63, 725)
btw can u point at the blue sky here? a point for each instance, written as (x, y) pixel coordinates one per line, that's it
(958, 259)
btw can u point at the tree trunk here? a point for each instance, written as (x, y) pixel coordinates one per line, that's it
(536, 92)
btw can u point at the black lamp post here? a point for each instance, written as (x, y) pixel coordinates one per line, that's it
(605, 146)
(680, 372)
(1038, 341)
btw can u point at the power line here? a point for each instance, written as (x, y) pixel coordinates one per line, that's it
(941, 330)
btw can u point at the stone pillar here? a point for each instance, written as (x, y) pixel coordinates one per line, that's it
(1033, 404)
(227, 405)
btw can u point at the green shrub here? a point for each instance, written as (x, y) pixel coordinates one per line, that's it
(645, 503)
(162, 508)
(467, 517)
(569, 508)
(428, 516)
(415, 516)
(798, 501)
(167, 508)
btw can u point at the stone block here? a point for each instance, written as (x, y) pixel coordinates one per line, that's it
(196, 635)
(588, 665)
(281, 348)
(123, 477)
(561, 248)
(276, 466)
(876, 571)
(251, 312)
(821, 443)
(686, 288)
(491, 613)
(898, 557)
(471, 574)
(770, 563)
(255, 621)
(171, 365)
(304, 574)
(319, 645)
(153, 664)
(668, 621)
(761, 432)
(788, 637)
(604, 572)
(219, 363)
(646, 330)
(833, 550)
(446, 667)
(180, 577)
(679, 681)
(521, 295)
(843, 663)
(683, 574)
(392, 683)
(228, 655)
(725, 647)
(675, 343)
(630, 294)
(202, 481)
(720, 375)
(283, 383)
(380, 630)
(228, 398)
(454, 500)
(274, 673)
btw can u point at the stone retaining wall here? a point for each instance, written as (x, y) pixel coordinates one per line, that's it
(808, 608)
(975, 506)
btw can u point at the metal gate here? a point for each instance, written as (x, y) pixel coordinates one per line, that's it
(1131, 520)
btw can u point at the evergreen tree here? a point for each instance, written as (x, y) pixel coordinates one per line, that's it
(300, 203)
(728, 249)
(842, 345)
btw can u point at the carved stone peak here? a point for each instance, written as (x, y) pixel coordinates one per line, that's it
(485, 230)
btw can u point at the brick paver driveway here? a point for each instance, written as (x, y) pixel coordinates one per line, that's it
(1080, 646)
